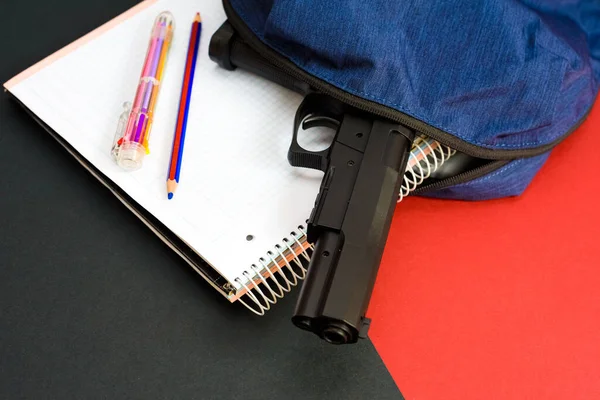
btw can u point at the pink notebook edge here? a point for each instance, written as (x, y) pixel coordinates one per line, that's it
(11, 83)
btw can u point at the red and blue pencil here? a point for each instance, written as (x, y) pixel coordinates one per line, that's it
(184, 108)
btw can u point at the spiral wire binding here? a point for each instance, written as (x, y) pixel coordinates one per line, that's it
(426, 156)
(275, 285)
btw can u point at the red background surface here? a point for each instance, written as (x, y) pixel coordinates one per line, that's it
(498, 299)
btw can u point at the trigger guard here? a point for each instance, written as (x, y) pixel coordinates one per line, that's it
(315, 110)
(313, 121)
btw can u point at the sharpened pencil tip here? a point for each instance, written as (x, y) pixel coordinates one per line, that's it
(198, 18)
(171, 187)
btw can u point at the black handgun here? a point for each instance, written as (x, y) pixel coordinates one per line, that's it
(350, 221)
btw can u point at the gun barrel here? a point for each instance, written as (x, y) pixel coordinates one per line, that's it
(343, 268)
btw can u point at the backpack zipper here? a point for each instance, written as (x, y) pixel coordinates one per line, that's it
(380, 110)
(463, 177)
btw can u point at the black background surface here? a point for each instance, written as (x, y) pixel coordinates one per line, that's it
(93, 305)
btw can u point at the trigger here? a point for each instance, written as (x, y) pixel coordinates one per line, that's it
(311, 121)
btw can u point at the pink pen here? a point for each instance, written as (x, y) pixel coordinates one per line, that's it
(133, 131)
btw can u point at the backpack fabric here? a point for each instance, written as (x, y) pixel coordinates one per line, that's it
(507, 76)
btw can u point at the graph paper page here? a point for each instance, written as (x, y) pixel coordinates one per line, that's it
(235, 179)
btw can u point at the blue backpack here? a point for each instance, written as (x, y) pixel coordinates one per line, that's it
(500, 81)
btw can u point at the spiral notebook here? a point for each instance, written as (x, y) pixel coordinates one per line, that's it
(239, 213)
